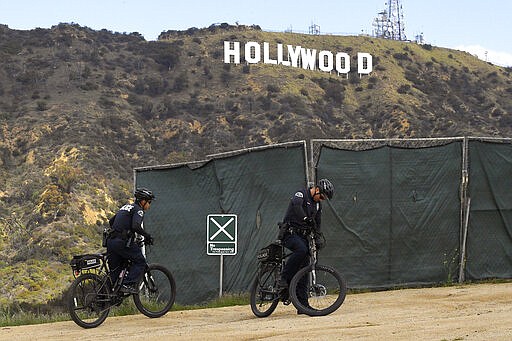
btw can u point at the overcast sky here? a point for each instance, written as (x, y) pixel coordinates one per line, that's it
(481, 28)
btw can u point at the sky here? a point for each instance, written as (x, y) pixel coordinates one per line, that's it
(479, 27)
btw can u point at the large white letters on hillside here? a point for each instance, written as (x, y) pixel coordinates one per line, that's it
(296, 56)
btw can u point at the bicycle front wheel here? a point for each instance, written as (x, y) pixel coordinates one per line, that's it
(89, 300)
(157, 291)
(264, 294)
(322, 286)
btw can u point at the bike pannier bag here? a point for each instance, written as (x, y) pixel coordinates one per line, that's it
(270, 253)
(85, 262)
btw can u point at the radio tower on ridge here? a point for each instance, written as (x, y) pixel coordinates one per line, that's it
(390, 22)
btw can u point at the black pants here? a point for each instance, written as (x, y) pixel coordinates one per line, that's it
(299, 259)
(118, 252)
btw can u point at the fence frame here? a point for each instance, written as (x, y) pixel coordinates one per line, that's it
(465, 199)
(316, 145)
(313, 147)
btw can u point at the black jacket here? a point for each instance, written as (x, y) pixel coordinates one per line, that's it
(301, 206)
(128, 220)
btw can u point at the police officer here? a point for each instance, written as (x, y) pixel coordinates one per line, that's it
(304, 213)
(121, 244)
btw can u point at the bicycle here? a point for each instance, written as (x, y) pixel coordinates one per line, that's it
(326, 288)
(93, 293)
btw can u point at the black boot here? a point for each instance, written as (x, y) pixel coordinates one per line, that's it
(300, 311)
(282, 289)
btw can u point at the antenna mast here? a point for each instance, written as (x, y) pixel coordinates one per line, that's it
(314, 29)
(389, 23)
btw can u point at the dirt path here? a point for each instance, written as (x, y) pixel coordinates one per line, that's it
(469, 312)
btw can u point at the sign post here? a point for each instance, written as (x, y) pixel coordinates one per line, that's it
(221, 238)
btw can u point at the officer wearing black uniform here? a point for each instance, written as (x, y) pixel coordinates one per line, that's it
(304, 213)
(121, 244)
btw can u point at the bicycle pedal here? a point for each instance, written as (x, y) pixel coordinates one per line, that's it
(287, 302)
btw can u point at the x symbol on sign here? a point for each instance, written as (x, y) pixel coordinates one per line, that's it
(222, 229)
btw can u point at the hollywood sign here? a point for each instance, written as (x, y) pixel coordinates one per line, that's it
(296, 56)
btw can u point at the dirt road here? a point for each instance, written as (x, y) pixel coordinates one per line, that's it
(469, 312)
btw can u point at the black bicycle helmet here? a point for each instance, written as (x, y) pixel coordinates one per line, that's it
(144, 194)
(326, 188)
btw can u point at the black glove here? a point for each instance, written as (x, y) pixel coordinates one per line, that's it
(148, 240)
(140, 242)
(309, 221)
(319, 240)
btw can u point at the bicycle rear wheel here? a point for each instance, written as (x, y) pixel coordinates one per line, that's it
(325, 287)
(88, 300)
(264, 292)
(157, 291)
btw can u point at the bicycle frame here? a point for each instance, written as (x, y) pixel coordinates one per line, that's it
(325, 287)
(312, 257)
(105, 272)
(276, 267)
(97, 288)
(280, 265)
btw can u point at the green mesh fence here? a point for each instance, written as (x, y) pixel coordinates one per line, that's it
(395, 217)
(255, 185)
(489, 236)
(398, 216)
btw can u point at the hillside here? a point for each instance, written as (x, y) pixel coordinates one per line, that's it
(80, 108)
